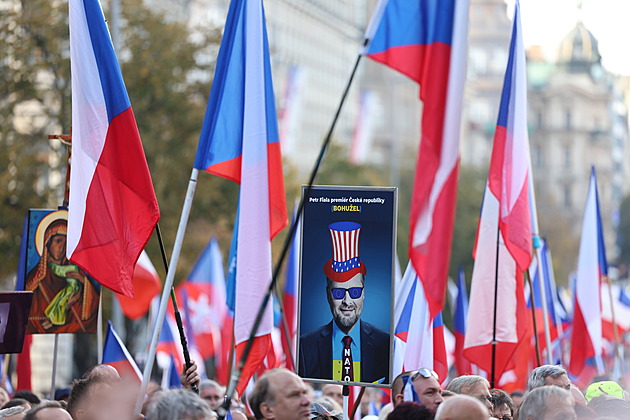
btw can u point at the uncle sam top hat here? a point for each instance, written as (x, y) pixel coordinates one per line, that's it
(345, 262)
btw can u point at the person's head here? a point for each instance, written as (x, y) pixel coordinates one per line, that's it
(502, 405)
(609, 406)
(473, 385)
(547, 402)
(319, 412)
(91, 397)
(212, 393)
(17, 402)
(398, 385)
(346, 301)
(517, 398)
(13, 413)
(462, 407)
(102, 372)
(609, 388)
(179, 404)
(408, 410)
(49, 410)
(280, 394)
(333, 391)
(427, 387)
(447, 394)
(548, 375)
(28, 396)
(55, 240)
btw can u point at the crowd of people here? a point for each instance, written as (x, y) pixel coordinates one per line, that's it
(280, 394)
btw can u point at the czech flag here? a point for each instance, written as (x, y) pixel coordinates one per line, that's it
(146, 284)
(203, 294)
(459, 323)
(504, 230)
(426, 40)
(289, 297)
(113, 209)
(239, 141)
(116, 355)
(418, 343)
(586, 338)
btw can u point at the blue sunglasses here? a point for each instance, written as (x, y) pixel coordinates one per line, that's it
(340, 293)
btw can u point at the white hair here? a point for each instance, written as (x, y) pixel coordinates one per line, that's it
(538, 375)
(537, 401)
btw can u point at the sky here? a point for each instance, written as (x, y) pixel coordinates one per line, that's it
(546, 22)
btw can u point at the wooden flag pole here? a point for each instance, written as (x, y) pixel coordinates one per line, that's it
(357, 402)
(168, 284)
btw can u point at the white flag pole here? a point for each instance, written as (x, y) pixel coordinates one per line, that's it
(170, 276)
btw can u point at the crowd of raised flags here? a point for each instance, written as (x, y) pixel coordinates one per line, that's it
(113, 211)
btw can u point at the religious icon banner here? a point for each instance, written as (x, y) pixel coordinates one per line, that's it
(65, 297)
(347, 269)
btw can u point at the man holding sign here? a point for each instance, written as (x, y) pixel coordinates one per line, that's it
(347, 348)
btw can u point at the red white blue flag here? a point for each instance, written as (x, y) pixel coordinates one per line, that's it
(504, 230)
(586, 338)
(426, 41)
(116, 354)
(418, 340)
(239, 141)
(289, 297)
(459, 325)
(113, 209)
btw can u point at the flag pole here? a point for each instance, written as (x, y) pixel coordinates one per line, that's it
(168, 284)
(618, 358)
(538, 249)
(494, 315)
(287, 242)
(357, 402)
(99, 329)
(531, 299)
(54, 367)
(178, 316)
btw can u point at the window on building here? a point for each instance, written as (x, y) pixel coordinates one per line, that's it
(566, 197)
(566, 157)
(567, 119)
(540, 121)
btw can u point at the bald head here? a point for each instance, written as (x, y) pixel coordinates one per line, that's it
(462, 407)
(105, 373)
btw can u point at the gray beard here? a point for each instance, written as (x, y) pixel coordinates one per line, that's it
(346, 321)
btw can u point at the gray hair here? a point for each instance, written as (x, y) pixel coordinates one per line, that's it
(537, 401)
(538, 375)
(179, 404)
(464, 383)
(209, 383)
(8, 412)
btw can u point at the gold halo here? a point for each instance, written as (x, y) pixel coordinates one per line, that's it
(43, 225)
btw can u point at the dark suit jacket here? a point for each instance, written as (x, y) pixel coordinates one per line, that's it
(316, 353)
